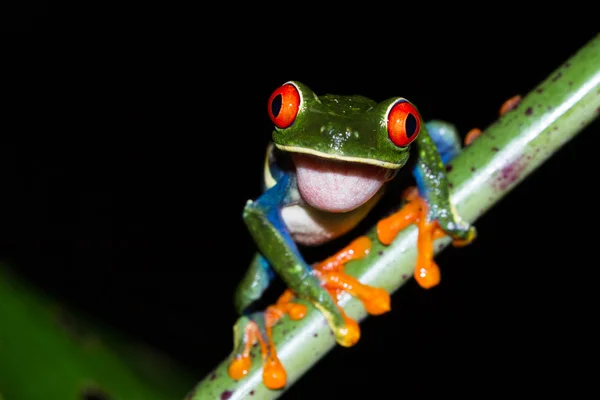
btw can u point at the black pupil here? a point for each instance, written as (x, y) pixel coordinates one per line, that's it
(276, 105)
(410, 125)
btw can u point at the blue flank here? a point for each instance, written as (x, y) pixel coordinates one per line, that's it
(270, 203)
(447, 142)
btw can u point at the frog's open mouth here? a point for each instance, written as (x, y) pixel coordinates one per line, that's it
(338, 186)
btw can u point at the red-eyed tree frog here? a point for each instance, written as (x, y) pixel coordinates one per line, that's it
(329, 162)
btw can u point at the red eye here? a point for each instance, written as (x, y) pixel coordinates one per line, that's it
(284, 104)
(403, 123)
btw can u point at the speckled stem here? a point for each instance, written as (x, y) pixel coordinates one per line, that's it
(508, 150)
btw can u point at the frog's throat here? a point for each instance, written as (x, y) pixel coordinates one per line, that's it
(361, 160)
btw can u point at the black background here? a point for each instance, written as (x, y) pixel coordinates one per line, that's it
(135, 218)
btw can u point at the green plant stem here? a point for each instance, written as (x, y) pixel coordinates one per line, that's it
(508, 151)
(47, 353)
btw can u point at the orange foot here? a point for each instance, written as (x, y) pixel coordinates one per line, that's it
(274, 375)
(427, 273)
(506, 107)
(330, 273)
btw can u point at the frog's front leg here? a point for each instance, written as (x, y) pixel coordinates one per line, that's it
(319, 285)
(275, 243)
(429, 205)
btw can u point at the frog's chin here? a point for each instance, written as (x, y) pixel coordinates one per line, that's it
(337, 186)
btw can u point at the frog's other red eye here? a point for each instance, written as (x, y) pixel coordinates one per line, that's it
(403, 123)
(284, 104)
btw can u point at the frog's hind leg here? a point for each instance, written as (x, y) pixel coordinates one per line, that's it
(255, 281)
(258, 328)
(253, 328)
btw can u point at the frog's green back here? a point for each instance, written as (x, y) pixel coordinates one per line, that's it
(347, 106)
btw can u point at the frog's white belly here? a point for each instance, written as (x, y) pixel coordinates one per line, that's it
(310, 226)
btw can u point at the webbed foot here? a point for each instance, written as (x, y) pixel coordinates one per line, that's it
(258, 329)
(332, 282)
(331, 272)
(415, 211)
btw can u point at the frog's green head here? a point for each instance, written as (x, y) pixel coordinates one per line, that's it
(344, 147)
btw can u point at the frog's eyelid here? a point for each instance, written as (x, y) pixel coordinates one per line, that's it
(393, 103)
(384, 119)
(301, 104)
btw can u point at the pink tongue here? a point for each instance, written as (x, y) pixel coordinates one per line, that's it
(336, 186)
